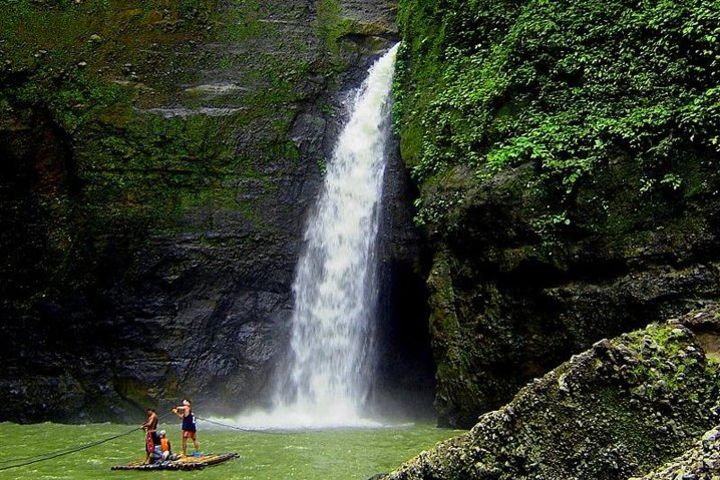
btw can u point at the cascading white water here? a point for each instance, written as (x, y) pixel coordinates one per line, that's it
(335, 288)
(327, 378)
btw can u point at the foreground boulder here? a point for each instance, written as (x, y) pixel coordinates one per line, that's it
(617, 410)
(700, 462)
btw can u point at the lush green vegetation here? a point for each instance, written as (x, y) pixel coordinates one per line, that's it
(567, 87)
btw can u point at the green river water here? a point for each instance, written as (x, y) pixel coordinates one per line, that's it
(319, 455)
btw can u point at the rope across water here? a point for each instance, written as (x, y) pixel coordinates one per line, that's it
(246, 430)
(60, 453)
(25, 461)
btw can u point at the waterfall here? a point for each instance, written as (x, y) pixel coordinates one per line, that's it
(327, 377)
(335, 286)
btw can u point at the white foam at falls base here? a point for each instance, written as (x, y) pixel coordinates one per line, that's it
(289, 418)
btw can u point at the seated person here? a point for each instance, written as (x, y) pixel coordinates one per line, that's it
(161, 451)
(165, 447)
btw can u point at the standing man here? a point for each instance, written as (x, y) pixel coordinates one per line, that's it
(189, 429)
(151, 438)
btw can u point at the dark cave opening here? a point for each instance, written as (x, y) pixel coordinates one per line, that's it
(404, 385)
(404, 382)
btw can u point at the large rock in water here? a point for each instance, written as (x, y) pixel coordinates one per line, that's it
(702, 462)
(619, 409)
(158, 161)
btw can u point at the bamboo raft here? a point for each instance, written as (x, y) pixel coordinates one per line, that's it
(187, 463)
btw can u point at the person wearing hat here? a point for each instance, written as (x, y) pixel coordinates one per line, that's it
(165, 447)
(189, 429)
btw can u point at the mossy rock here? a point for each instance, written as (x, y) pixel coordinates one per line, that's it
(616, 410)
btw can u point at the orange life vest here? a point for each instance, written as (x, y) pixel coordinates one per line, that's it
(164, 444)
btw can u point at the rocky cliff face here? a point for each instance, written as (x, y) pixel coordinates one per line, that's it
(565, 156)
(614, 411)
(158, 162)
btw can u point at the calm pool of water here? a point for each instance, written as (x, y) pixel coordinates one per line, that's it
(317, 455)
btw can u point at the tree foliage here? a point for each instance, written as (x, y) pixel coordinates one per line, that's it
(565, 86)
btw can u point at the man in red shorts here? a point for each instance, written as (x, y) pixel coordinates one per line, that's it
(151, 438)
